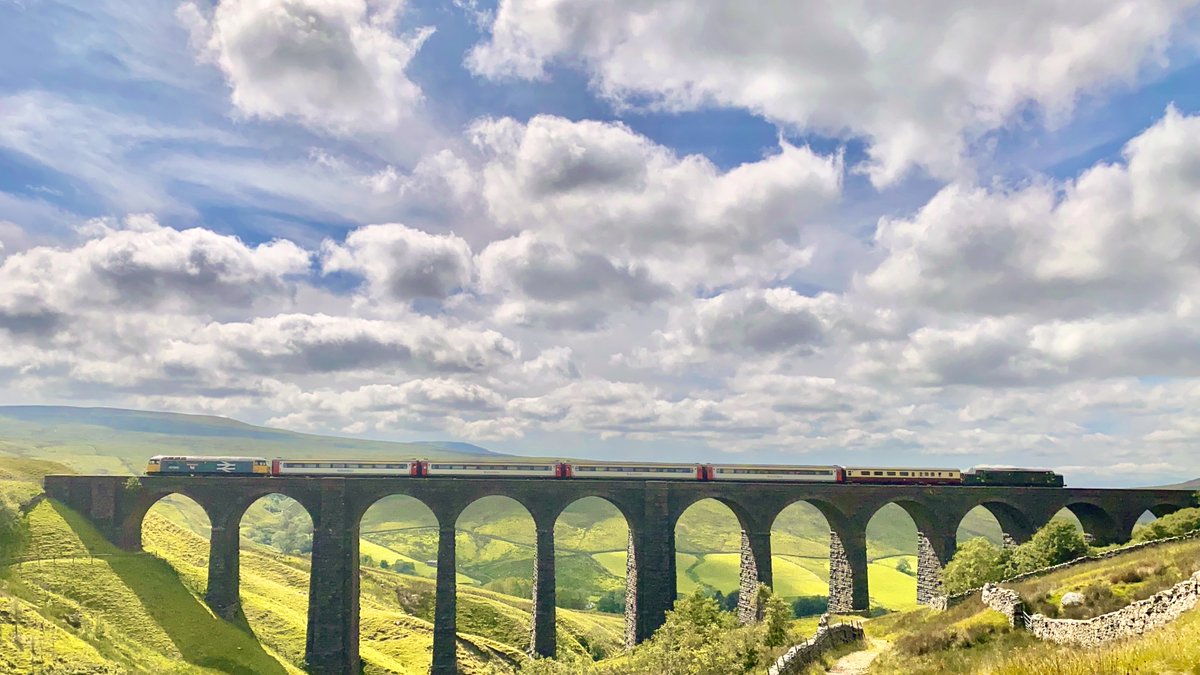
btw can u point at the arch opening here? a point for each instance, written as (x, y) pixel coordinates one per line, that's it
(981, 522)
(1098, 526)
(274, 553)
(176, 528)
(495, 544)
(892, 559)
(1067, 515)
(708, 544)
(398, 546)
(800, 558)
(1148, 526)
(591, 539)
(1140, 531)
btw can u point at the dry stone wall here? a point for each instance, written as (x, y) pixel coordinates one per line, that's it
(1137, 618)
(827, 637)
(945, 602)
(1004, 600)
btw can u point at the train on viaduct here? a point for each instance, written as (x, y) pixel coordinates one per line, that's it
(117, 505)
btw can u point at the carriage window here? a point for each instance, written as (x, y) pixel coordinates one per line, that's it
(878, 473)
(891, 473)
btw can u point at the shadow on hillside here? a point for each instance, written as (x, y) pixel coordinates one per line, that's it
(202, 638)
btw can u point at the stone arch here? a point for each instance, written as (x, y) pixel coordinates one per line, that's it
(801, 567)
(707, 558)
(1100, 526)
(1150, 515)
(130, 532)
(590, 544)
(892, 536)
(491, 513)
(180, 512)
(1003, 523)
(398, 534)
(276, 526)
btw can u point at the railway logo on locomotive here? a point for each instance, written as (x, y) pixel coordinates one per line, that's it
(227, 467)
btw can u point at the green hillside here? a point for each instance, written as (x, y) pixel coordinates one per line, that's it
(71, 602)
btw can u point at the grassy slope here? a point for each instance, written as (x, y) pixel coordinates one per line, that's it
(142, 612)
(973, 639)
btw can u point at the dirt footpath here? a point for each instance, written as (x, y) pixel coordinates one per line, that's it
(857, 663)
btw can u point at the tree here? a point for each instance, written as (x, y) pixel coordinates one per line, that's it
(810, 605)
(1057, 542)
(1171, 525)
(384, 564)
(730, 602)
(776, 616)
(612, 602)
(976, 562)
(571, 598)
(903, 567)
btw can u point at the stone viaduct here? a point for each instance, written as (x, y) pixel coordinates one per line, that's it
(117, 505)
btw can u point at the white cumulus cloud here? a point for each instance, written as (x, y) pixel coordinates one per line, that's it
(334, 65)
(920, 82)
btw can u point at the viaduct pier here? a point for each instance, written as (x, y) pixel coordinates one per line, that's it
(116, 505)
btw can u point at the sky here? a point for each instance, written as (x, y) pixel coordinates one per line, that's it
(855, 232)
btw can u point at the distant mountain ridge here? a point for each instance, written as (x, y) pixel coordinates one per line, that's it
(1193, 484)
(118, 440)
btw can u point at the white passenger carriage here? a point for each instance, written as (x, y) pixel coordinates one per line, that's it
(514, 468)
(349, 467)
(768, 472)
(626, 470)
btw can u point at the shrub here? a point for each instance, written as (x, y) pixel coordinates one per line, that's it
(976, 562)
(612, 602)
(1057, 542)
(776, 616)
(810, 605)
(1170, 525)
(570, 598)
(903, 567)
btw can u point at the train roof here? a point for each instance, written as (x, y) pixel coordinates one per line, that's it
(209, 458)
(598, 462)
(903, 468)
(1010, 468)
(345, 460)
(793, 467)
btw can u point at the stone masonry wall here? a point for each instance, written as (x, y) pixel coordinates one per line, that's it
(748, 609)
(841, 590)
(827, 637)
(946, 602)
(1137, 618)
(1004, 600)
(929, 571)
